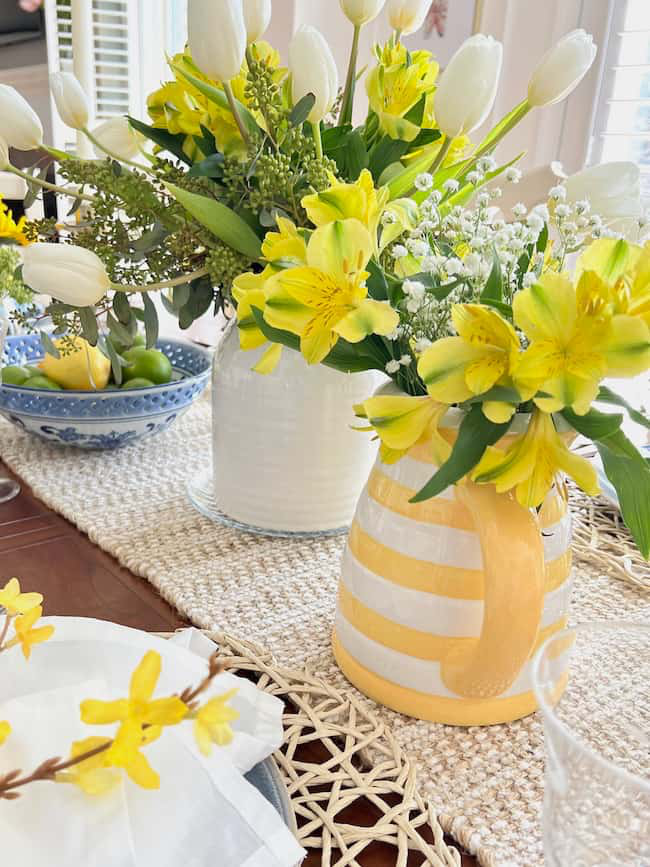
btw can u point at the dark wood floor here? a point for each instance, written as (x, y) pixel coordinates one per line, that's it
(76, 577)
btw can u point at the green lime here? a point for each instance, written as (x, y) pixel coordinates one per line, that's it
(13, 374)
(138, 382)
(121, 348)
(33, 370)
(41, 382)
(147, 364)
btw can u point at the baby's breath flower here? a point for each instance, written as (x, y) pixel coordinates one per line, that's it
(513, 175)
(534, 221)
(474, 177)
(483, 199)
(413, 288)
(424, 181)
(405, 360)
(417, 247)
(422, 344)
(435, 197)
(562, 211)
(399, 251)
(392, 366)
(388, 218)
(453, 266)
(451, 185)
(487, 164)
(496, 193)
(520, 210)
(557, 193)
(582, 207)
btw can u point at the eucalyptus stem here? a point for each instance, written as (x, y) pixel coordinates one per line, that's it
(318, 142)
(46, 185)
(164, 284)
(350, 83)
(442, 153)
(233, 107)
(112, 154)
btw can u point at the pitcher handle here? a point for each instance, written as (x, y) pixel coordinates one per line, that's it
(513, 569)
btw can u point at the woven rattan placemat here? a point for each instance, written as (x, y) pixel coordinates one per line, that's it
(485, 783)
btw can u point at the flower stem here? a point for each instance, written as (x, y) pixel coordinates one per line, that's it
(233, 107)
(112, 154)
(318, 142)
(164, 284)
(48, 186)
(350, 82)
(442, 153)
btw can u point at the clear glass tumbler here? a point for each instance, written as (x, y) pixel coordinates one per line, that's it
(597, 737)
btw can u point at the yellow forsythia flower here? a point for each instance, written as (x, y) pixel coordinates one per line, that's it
(26, 635)
(139, 707)
(15, 602)
(125, 753)
(212, 723)
(93, 776)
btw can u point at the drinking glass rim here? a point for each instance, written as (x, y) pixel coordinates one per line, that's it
(548, 711)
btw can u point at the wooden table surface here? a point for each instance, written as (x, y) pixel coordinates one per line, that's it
(50, 555)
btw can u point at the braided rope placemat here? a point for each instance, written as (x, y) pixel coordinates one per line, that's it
(486, 784)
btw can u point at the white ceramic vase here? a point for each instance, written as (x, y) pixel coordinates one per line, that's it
(285, 457)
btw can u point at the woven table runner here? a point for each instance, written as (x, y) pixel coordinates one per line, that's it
(486, 784)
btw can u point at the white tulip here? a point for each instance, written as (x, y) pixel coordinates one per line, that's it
(468, 86)
(70, 274)
(562, 68)
(117, 136)
(19, 124)
(217, 36)
(407, 16)
(361, 11)
(257, 17)
(4, 154)
(70, 99)
(313, 70)
(613, 190)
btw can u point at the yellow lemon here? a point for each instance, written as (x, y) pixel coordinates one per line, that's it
(75, 369)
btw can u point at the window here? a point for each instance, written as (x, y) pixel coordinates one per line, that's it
(622, 124)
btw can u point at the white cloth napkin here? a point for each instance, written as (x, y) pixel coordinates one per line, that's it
(205, 813)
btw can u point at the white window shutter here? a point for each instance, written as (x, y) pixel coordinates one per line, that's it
(128, 55)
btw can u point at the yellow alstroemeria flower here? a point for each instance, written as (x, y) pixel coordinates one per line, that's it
(532, 464)
(26, 635)
(484, 354)
(212, 723)
(5, 731)
(574, 343)
(327, 298)
(288, 244)
(15, 602)
(94, 776)
(139, 707)
(125, 753)
(403, 420)
(398, 82)
(179, 107)
(619, 272)
(11, 230)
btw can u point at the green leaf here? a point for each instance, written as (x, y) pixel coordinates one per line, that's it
(210, 167)
(497, 392)
(629, 472)
(89, 324)
(542, 239)
(493, 289)
(180, 296)
(218, 97)
(356, 155)
(117, 362)
(48, 344)
(624, 466)
(150, 320)
(165, 140)
(403, 182)
(594, 425)
(300, 111)
(606, 395)
(118, 331)
(122, 307)
(510, 120)
(465, 193)
(222, 221)
(475, 434)
(199, 302)
(387, 150)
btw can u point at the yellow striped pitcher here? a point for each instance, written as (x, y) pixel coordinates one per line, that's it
(442, 603)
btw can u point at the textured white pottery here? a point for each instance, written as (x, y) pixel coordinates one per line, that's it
(285, 457)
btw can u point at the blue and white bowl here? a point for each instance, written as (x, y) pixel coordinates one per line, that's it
(102, 419)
